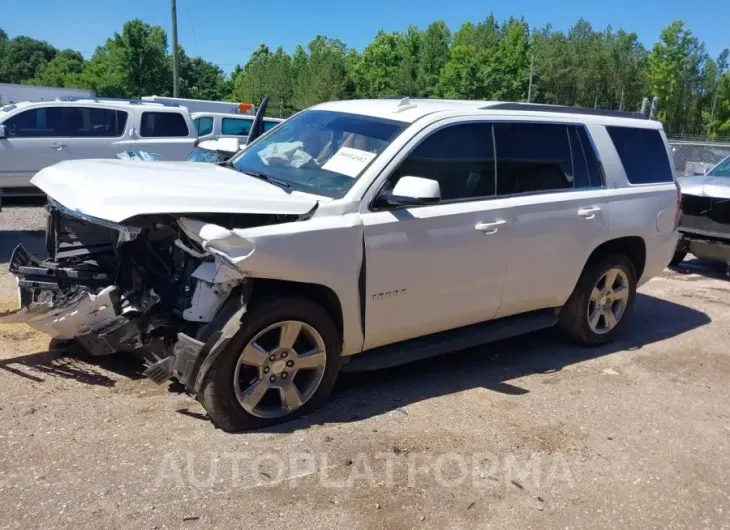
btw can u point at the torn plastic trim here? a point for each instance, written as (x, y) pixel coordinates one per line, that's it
(69, 317)
(192, 358)
(217, 240)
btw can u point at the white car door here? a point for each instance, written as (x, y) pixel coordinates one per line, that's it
(436, 267)
(35, 138)
(549, 181)
(97, 132)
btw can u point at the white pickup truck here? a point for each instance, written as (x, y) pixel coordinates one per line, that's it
(357, 235)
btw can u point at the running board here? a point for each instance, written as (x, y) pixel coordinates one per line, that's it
(451, 341)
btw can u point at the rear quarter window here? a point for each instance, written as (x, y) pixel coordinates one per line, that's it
(236, 126)
(163, 125)
(642, 153)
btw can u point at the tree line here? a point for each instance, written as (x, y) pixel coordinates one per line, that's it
(490, 60)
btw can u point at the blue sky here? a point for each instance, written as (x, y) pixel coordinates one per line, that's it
(227, 31)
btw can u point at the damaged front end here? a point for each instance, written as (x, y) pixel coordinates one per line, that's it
(149, 287)
(704, 226)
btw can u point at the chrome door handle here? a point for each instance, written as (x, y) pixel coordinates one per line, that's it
(489, 228)
(589, 213)
(57, 147)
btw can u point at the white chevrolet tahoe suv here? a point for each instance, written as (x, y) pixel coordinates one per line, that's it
(34, 135)
(356, 235)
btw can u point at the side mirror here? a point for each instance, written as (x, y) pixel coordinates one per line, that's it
(3, 133)
(413, 191)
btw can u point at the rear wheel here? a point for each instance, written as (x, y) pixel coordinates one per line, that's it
(598, 308)
(281, 364)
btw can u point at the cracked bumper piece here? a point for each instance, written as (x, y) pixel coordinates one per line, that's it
(63, 314)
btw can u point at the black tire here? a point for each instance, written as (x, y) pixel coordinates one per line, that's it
(218, 395)
(678, 257)
(573, 318)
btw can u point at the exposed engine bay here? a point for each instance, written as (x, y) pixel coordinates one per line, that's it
(144, 287)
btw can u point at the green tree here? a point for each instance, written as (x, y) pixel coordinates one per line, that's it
(266, 73)
(463, 76)
(509, 70)
(409, 50)
(324, 77)
(434, 53)
(134, 63)
(673, 76)
(200, 79)
(64, 70)
(379, 67)
(23, 57)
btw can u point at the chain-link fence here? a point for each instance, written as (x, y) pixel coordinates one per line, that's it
(697, 157)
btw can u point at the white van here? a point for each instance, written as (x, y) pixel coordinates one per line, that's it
(35, 135)
(213, 125)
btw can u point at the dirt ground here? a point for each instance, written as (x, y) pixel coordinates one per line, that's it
(530, 433)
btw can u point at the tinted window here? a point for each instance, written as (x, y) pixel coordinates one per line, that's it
(460, 158)
(268, 125)
(163, 124)
(85, 122)
(235, 126)
(36, 123)
(203, 125)
(533, 157)
(642, 154)
(595, 170)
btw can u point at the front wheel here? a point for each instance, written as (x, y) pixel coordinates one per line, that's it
(598, 308)
(282, 364)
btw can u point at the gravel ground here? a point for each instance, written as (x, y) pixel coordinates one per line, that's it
(529, 432)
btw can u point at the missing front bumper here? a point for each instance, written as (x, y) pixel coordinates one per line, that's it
(57, 301)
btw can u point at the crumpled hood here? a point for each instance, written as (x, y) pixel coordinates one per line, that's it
(115, 190)
(706, 186)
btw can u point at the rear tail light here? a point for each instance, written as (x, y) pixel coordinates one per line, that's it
(679, 205)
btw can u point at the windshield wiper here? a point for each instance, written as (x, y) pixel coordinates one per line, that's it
(257, 174)
(267, 178)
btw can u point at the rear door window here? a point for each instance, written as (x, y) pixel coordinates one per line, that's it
(36, 123)
(163, 125)
(204, 125)
(237, 126)
(535, 157)
(268, 125)
(642, 153)
(88, 122)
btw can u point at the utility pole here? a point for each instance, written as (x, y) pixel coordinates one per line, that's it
(175, 73)
(532, 72)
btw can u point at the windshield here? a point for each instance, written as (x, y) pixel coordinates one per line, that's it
(722, 169)
(318, 151)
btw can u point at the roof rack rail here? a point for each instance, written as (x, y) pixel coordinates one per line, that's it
(538, 107)
(132, 101)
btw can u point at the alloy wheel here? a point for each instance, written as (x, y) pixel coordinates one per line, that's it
(608, 301)
(280, 369)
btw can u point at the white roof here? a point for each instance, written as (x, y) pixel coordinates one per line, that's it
(99, 101)
(409, 110)
(231, 115)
